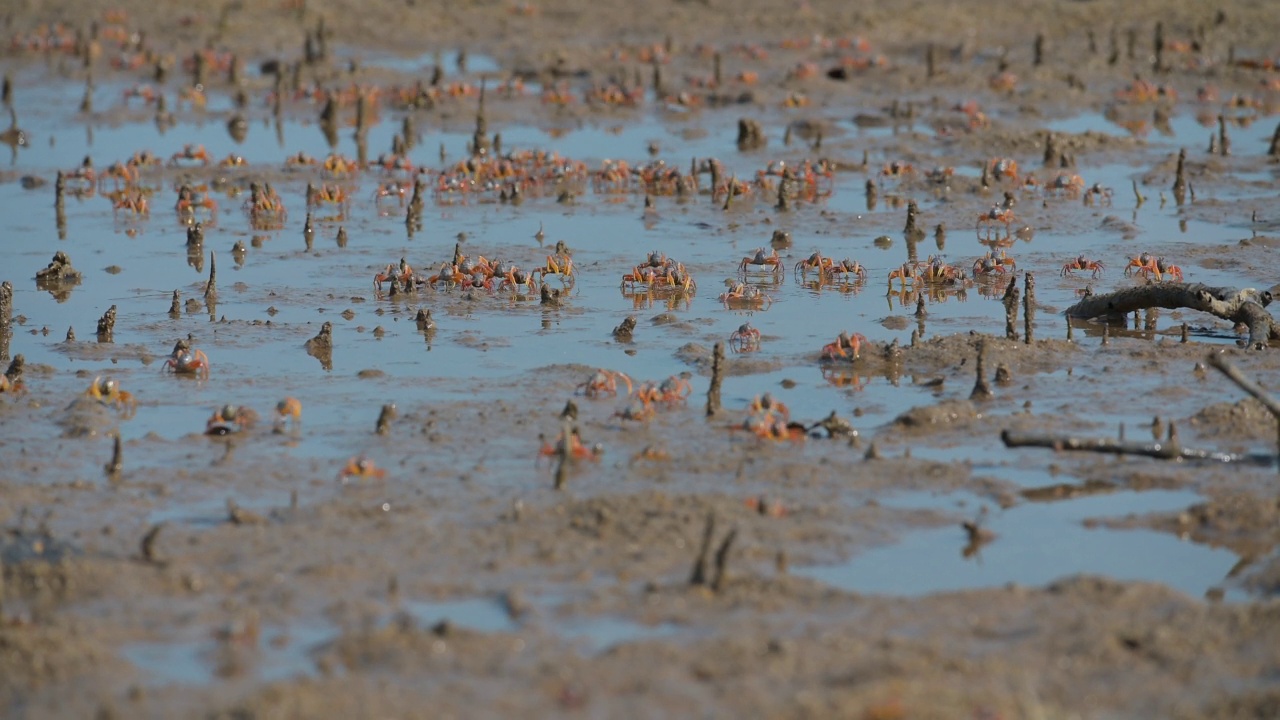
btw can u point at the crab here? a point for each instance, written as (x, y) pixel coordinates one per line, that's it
(186, 361)
(1099, 194)
(772, 262)
(897, 168)
(264, 201)
(300, 160)
(189, 200)
(1002, 168)
(574, 448)
(846, 269)
(772, 426)
(233, 160)
(993, 263)
(108, 392)
(637, 409)
(84, 174)
(557, 264)
(767, 404)
(336, 164)
(1145, 263)
(231, 418)
(641, 275)
(1082, 263)
(190, 152)
(1066, 184)
(1164, 267)
(119, 173)
(741, 294)
(13, 387)
(515, 278)
(288, 410)
(997, 214)
(401, 273)
(907, 272)
(845, 342)
(745, 338)
(326, 193)
(391, 189)
(674, 389)
(813, 262)
(603, 382)
(361, 467)
(134, 201)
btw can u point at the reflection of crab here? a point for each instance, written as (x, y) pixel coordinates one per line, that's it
(361, 467)
(772, 262)
(996, 215)
(1082, 263)
(133, 200)
(1097, 193)
(189, 200)
(603, 382)
(107, 391)
(326, 193)
(288, 409)
(851, 343)
(187, 361)
(745, 338)
(637, 409)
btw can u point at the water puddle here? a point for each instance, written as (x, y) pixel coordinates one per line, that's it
(1034, 544)
(479, 614)
(279, 654)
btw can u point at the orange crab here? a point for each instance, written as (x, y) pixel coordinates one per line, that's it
(326, 193)
(574, 448)
(13, 387)
(907, 272)
(1148, 264)
(1066, 184)
(186, 361)
(993, 263)
(772, 262)
(558, 264)
(813, 262)
(767, 404)
(288, 410)
(603, 382)
(1002, 168)
(189, 200)
(108, 392)
(1082, 263)
(845, 270)
(998, 214)
(741, 294)
(190, 152)
(361, 467)
(135, 201)
(744, 339)
(402, 273)
(674, 389)
(230, 419)
(845, 342)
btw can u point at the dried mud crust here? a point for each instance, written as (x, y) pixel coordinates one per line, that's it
(475, 519)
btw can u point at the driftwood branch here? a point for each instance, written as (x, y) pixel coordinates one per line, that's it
(1245, 306)
(1163, 451)
(1233, 374)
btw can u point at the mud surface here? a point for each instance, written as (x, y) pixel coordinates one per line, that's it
(895, 561)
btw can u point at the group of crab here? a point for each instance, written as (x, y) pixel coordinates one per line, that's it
(643, 400)
(829, 271)
(469, 272)
(933, 272)
(234, 419)
(659, 274)
(1144, 264)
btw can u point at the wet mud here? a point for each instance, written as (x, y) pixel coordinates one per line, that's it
(501, 492)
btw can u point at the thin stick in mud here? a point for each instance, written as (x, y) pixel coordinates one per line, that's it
(717, 374)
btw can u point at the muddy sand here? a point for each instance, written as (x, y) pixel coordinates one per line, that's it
(686, 571)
